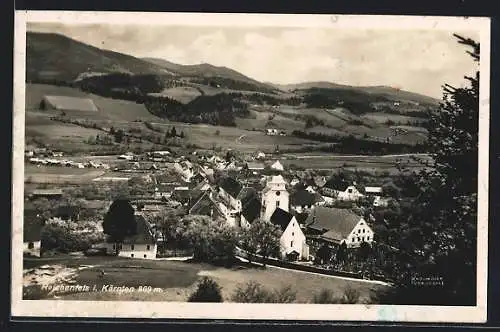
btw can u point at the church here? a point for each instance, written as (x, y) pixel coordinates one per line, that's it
(276, 209)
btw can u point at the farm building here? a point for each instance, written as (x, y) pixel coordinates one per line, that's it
(335, 226)
(141, 245)
(64, 103)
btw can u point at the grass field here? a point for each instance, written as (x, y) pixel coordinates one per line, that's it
(59, 175)
(183, 94)
(113, 109)
(178, 279)
(383, 117)
(235, 138)
(362, 163)
(265, 119)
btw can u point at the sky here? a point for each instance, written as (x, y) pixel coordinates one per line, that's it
(415, 60)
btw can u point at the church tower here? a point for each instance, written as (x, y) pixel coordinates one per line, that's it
(274, 195)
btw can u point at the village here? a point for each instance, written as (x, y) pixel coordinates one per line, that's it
(316, 214)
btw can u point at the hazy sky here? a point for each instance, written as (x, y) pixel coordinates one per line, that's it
(418, 61)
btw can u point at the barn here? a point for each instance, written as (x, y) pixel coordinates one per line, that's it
(65, 103)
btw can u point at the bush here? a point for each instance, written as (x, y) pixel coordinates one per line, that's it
(251, 292)
(208, 291)
(254, 292)
(325, 296)
(351, 296)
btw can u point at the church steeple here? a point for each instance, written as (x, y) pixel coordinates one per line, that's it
(275, 195)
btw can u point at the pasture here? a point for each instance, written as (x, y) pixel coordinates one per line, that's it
(361, 163)
(207, 136)
(112, 109)
(266, 119)
(381, 117)
(59, 175)
(177, 280)
(183, 94)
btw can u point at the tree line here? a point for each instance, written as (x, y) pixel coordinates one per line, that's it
(352, 145)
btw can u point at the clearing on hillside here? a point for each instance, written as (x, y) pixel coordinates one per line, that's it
(65, 103)
(109, 109)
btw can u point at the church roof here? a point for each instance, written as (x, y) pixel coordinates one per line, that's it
(281, 218)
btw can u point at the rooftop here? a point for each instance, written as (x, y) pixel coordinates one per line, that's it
(281, 218)
(338, 223)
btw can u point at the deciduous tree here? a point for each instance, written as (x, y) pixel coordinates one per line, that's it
(119, 222)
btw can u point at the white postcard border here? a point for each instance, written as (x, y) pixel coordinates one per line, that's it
(110, 309)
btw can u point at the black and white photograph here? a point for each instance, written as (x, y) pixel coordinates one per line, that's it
(187, 165)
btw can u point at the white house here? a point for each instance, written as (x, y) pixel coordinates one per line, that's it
(351, 193)
(333, 225)
(277, 166)
(341, 189)
(274, 195)
(142, 245)
(376, 192)
(292, 241)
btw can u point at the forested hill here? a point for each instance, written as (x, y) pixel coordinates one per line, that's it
(382, 91)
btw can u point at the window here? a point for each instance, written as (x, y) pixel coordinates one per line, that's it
(363, 239)
(277, 203)
(131, 247)
(31, 245)
(144, 256)
(291, 243)
(147, 247)
(114, 246)
(349, 191)
(293, 233)
(131, 255)
(358, 239)
(367, 238)
(278, 193)
(363, 230)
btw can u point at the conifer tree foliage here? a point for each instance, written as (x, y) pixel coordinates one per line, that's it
(442, 224)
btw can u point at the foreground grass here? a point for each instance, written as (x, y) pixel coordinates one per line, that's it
(174, 281)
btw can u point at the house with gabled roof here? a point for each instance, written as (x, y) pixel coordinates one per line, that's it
(141, 245)
(277, 166)
(336, 226)
(229, 189)
(341, 189)
(206, 205)
(292, 241)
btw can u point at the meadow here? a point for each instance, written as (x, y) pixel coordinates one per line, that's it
(112, 109)
(178, 280)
